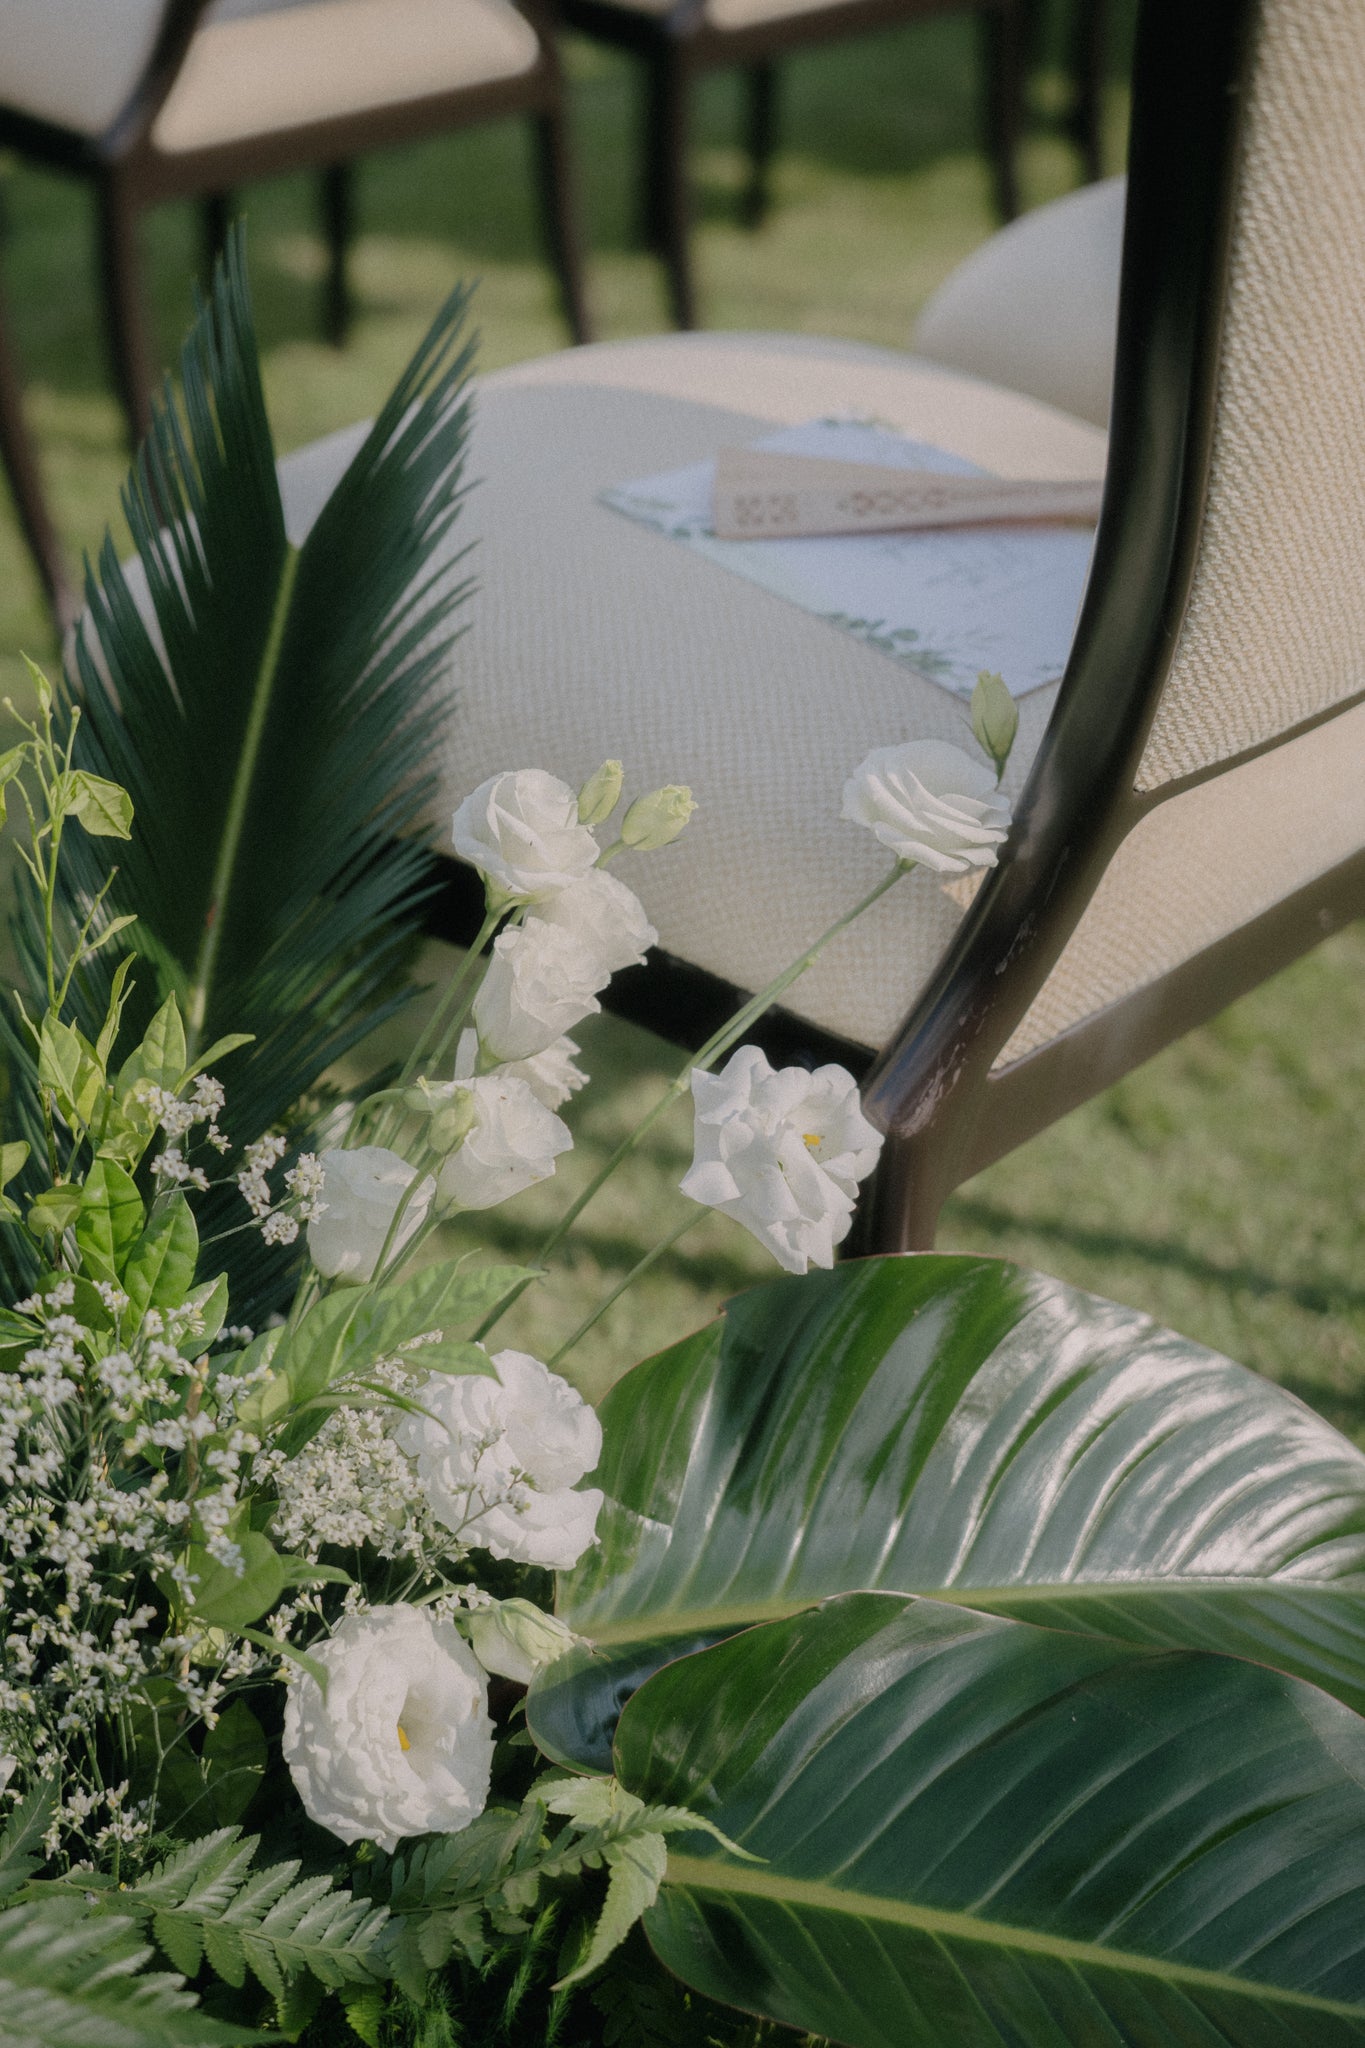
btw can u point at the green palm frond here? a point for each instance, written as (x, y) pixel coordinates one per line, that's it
(271, 711)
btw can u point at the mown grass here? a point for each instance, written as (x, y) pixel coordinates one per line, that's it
(1217, 1187)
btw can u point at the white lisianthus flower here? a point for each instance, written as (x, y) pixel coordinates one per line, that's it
(515, 1639)
(782, 1152)
(521, 831)
(539, 983)
(929, 802)
(499, 1460)
(513, 1142)
(552, 1076)
(363, 1191)
(401, 1743)
(606, 918)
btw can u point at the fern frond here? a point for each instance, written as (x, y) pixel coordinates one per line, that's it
(21, 1844)
(69, 1979)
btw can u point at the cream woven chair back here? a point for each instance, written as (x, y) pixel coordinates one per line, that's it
(1274, 633)
(75, 62)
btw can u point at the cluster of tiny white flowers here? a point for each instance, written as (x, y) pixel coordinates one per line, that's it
(304, 1182)
(352, 1486)
(253, 1181)
(177, 1117)
(280, 1221)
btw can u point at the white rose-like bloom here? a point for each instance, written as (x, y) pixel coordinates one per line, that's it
(606, 918)
(782, 1153)
(539, 983)
(499, 1459)
(401, 1743)
(513, 1142)
(362, 1191)
(552, 1076)
(929, 802)
(521, 831)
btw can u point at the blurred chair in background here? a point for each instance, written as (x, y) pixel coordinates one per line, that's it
(173, 99)
(680, 40)
(20, 466)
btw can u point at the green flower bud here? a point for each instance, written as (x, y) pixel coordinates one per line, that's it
(451, 1121)
(657, 819)
(995, 718)
(600, 794)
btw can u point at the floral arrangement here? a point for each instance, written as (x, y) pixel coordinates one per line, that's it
(922, 1652)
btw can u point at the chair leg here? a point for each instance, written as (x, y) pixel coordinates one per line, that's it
(1002, 40)
(215, 218)
(337, 195)
(1089, 43)
(761, 80)
(560, 219)
(669, 195)
(120, 274)
(20, 465)
(899, 1207)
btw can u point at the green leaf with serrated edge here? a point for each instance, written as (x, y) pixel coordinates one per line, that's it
(110, 1221)
(159, 1270)
(105, 810)
(363, 2005)
(160, 1059)
(227, 1599)
(235, 1758)
(21, 1843)
(979, 1832)
(72, 1979)
(962, 1428)
(637, 1867)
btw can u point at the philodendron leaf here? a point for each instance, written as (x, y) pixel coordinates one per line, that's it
(982, 1833)
(962, 1428)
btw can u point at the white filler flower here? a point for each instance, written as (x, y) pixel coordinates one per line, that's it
(929, 802)
(401, 1743)
(362, 1191)
(521, 831)
(606, 918)
(513, 1142)
(500, 1458)
(539, 983)
(782, 1152)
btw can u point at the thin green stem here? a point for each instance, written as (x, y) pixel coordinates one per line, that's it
(238, 801)
(714, 1049)
(640, 1267)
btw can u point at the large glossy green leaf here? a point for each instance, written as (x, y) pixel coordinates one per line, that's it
(959, 1426)
(980, 1834)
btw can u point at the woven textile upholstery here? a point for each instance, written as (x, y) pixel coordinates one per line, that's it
(591, 636)
(1035, 308)
(290, 66)
(75, 61)
(1275, 629)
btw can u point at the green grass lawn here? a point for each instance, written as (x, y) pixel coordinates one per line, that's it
(1215, 1188)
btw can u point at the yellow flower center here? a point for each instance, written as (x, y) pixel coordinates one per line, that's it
(403, 1742)
(812, 1138)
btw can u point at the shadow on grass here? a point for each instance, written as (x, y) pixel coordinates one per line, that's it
(1323, 1298)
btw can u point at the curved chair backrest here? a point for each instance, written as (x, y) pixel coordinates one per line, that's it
(1226, 604)
(92, 68)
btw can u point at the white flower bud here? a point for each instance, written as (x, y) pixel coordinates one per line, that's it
(995, 718)
(600, 794)
(657, 819)
(516, 1639)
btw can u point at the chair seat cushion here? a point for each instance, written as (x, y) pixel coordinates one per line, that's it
(1035, 308)
(287, 67)
(592, 637)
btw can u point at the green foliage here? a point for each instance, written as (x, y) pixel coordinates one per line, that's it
(204, 1903)
(70, 1979)
(982, 1832)
(21, 1844)
(957, 1427)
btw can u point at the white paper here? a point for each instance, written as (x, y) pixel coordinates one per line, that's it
(947, 604)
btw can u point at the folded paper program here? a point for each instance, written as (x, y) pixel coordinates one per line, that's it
(763, 494)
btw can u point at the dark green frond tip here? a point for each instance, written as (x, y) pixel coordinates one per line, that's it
(272, 710)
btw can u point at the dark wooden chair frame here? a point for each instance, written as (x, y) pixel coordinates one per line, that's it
(130, 174)
(933, 1088)
(20, 465)
(677, 47)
